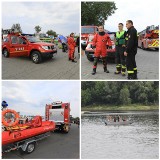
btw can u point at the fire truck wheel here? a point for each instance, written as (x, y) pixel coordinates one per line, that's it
(90, 59)
(30, 148)
(36, 57)
(5, 53)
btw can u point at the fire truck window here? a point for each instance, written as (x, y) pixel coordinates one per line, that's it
(56, 106)
(87, 30)
(14, 40)
(111, 37)
(5, 39)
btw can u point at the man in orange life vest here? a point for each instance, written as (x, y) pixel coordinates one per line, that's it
(100, 42)
(71, 47)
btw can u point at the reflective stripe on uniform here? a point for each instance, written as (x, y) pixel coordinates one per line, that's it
(118, 65)
(134, 69)
(123, 67)
(130, 72)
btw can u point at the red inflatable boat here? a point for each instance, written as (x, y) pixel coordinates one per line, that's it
(24, 131)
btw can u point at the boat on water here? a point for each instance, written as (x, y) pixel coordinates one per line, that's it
(117, 123)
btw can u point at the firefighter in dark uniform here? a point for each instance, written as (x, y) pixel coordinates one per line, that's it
(131, 50)
(120, 48)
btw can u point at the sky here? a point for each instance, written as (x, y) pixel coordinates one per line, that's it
(62, 17)
(30, 97)
(143, 13)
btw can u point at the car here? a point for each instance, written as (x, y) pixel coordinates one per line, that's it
(16, 45)
(89, 50)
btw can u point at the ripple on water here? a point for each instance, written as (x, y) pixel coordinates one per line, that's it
(138, 140)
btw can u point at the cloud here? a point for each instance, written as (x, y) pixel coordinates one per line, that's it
(49, 15)
(30, 97)
(142, 14)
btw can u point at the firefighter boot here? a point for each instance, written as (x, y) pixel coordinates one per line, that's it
(105, 64)
(74, 61)
(94, 65)
(118, 67)
(123, 70)
(94, 71)
(130, 76)
(105, 70)
(135, 75)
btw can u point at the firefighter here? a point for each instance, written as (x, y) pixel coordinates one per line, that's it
(120, 48)
(71, 48)
(100, 42)
(131, 50)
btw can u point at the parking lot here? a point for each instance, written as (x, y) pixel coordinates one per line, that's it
(57, 68)
(57, 146)
(147, 65)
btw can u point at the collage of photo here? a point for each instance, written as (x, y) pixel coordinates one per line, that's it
(80, 79)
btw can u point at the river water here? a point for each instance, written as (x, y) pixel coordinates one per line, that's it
(139, 140)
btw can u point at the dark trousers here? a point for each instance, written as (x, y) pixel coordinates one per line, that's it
(104, 61)
(120, 59)
(78, 49)
(63, 47)
(131, 63)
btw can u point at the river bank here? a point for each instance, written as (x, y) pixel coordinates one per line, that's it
(119, 108)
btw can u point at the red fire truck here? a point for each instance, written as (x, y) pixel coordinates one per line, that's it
(59, 112)
(16, 45)
(149, 38)
(85, 31)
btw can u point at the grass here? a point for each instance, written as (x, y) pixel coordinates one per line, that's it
(120, 108)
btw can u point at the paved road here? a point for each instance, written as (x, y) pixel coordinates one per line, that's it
(57, 68)
(57, 146)
(147, 64)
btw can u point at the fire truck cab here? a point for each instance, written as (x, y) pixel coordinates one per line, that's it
(16, 45)
(149, 38)
(59, 113)
(85, 31)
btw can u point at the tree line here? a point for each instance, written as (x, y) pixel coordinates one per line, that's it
(17, 28)
(119, 93)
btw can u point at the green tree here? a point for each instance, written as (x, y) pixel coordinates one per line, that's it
(124, 97)
(95, 13)
(86, 97)
(37, 29)
(120, 93)
(17, 28)
(51, 33)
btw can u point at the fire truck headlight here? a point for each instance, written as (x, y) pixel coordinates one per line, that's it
(45, 47)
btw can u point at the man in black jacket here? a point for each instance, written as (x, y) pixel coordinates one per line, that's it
(131, 50)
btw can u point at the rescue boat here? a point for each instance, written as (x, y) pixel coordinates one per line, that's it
(18, 132)
(117, 123)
